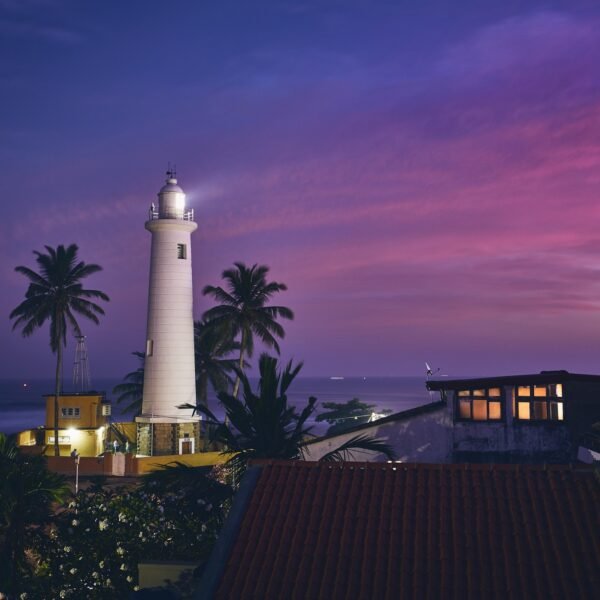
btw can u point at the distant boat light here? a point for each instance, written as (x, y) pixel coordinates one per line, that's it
(336, 378)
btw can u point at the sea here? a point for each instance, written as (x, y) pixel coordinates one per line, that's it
(22, 405)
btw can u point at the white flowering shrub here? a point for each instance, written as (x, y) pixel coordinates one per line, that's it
(94, 545)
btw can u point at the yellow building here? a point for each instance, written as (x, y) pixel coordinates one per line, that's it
(82, 425)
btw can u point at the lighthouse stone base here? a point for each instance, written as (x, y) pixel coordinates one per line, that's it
(160, 438)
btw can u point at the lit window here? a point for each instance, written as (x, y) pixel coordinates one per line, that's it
(556, 411)
(70, 412)
(479, 410)
(480, 404)
(181, 251)
(524, 412)
(540, 402)
(540, 410)
(464, 408)
(62, 439)
(495, 409)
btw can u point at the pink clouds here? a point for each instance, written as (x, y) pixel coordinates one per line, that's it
(449, 207)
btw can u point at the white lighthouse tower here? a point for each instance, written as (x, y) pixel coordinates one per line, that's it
(169, 373)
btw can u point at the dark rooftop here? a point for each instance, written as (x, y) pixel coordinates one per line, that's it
(393, 531)
(530, 379)
(399, 416)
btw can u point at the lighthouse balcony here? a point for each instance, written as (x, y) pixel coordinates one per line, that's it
(186, 214)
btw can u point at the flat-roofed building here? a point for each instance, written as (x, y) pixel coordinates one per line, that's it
(82, 425)
(539, 417)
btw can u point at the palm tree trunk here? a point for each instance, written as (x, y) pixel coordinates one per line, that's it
(59, 360)
(236, 386)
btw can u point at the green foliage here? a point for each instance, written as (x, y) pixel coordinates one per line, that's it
(243, 309)
(27, 493)
(212, 346)
(56, 295)
(96, 543)
(131, 390)
(343, 416)
(264, 425)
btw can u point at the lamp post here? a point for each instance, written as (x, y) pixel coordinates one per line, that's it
(76, 456)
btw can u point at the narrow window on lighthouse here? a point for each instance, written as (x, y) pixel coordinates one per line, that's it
(181, 251)
(149, 347)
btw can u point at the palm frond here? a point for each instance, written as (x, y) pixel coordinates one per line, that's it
(361, 443)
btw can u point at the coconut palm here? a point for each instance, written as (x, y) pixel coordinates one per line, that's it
(56, 294)
(131, 390)
(264, 425)
(212, 345)
(244, 311)
(27, 491)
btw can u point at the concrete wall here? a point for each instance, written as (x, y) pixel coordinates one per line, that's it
(128, 465)
(424, 437)
(529, 440)
(109, 464)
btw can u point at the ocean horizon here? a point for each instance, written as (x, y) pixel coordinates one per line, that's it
(22, 405)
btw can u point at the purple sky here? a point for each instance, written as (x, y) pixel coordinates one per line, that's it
(424, 176)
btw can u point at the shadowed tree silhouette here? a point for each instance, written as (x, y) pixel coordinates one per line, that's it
(264, 425)
(212, 346)
(56, 295)
(27, 491)
(244, 311)
(131, 390)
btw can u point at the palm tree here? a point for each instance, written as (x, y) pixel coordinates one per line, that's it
(211, 347)
(132, 388)
(243, 309)
(264, 425)
(55, 294)
(27, 491)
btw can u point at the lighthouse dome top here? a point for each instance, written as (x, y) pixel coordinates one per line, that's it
(171, 201)
(170, 185)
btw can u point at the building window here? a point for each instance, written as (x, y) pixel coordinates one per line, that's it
(149, 347)
(539, 402)
(62, 439)
(70, 413)
(480, 405)
(181, 251)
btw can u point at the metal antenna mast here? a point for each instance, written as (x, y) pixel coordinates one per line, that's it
(81, 366)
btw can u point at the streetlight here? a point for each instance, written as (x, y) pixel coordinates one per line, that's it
(75, 456)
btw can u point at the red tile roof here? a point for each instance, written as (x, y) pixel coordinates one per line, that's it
(395, 531)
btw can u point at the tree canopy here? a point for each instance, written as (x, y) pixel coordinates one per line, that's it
(244, 309)
(55, 295)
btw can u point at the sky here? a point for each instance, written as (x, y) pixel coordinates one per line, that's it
(424, 176)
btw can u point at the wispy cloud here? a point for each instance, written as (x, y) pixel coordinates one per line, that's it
(49, 33)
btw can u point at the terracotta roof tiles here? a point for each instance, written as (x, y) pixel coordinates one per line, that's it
(397, 531)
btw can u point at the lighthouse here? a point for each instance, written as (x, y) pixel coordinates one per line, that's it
(169, 372)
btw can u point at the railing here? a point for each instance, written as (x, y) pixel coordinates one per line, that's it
(188, 215)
